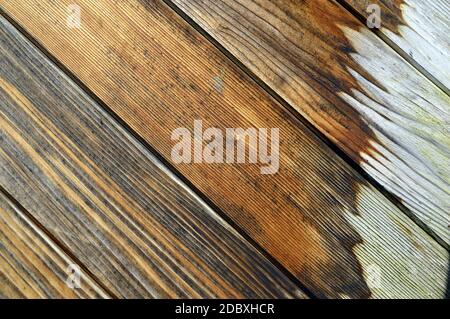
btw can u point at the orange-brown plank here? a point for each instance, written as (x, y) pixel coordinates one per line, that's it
(352, 86)
(109, 202)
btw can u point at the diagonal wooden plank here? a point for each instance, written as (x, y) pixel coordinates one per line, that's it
(420, 28)
(354, 88)
(317, 216)
(134, 225)
(32, 265)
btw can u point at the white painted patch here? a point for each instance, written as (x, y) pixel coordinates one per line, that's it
(410, 117)
(426, 35)
(419, 264)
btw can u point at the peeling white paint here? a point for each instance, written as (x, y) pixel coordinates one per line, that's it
(415, 264)
(426, 35)
(410, 117)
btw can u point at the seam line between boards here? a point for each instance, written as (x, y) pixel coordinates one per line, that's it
(169, 167)
(56, 242)
(313, 129)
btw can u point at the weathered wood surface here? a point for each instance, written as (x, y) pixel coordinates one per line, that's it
(317, 217)
(137, 228)
(32, 265)
(421, 28)
(353, 87)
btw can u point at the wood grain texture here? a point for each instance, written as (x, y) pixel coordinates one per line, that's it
(32, 265)
(135, 226)
(317, 217)
(354, 88)
(421, 28)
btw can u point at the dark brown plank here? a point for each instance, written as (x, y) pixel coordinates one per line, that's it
(317, 216)
(134, 225)
(32, 265)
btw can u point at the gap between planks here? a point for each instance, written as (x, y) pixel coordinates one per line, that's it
(59, 247)
(314, 130)
(394, 209)
(390, 173)
(164, 164)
